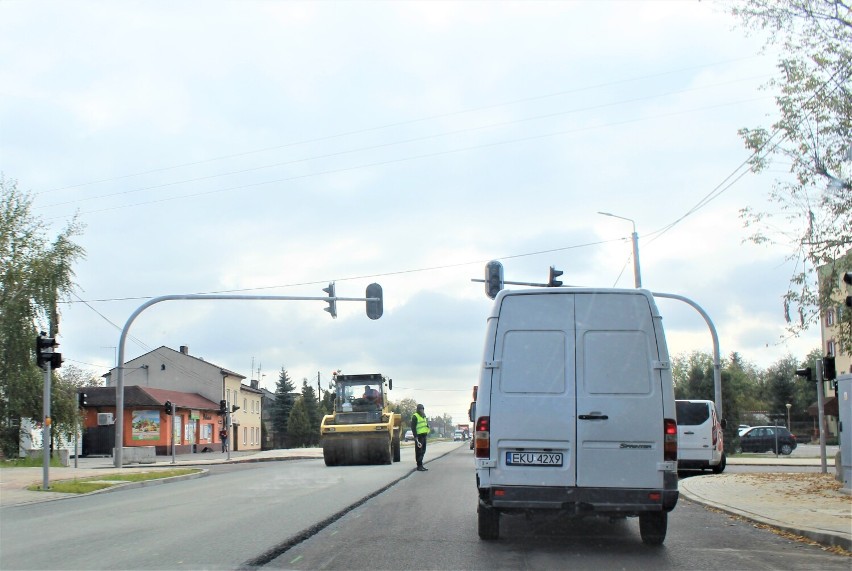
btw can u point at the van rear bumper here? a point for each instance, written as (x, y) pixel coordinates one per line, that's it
(613, 501)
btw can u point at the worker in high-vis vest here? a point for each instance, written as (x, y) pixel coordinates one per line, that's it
(420, 429)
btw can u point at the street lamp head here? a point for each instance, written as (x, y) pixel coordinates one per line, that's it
(620, 217)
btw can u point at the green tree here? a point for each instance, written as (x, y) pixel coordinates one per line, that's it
(326, 403)
(405, 408)
(64, 408)
(311, 404)
(281, 407)
(35, 275)
(693, 376)
(811, 135)
(300, 432)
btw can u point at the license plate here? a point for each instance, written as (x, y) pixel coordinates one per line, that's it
(534, 458)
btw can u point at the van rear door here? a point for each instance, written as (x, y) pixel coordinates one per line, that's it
(695, 426)
(619, 388)
(533, 403)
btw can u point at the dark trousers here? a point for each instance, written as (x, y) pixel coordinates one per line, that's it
(419, 448)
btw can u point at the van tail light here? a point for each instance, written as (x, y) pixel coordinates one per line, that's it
(482, 437)
(669, 439)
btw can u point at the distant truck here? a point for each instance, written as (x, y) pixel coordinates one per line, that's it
(361, 429)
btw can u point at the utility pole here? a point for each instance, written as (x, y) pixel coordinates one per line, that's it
(637, 274)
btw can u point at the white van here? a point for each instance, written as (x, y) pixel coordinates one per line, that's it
(700, 441)
(575, 410)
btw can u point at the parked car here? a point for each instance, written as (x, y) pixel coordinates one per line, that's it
(742, 428)
(458, 435)
(764, 439)
(409, 436)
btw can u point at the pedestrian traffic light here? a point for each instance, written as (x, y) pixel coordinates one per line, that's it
(234, 408)
(493, 278)
(169, 407)
(806, 373)
(332, 302)
(375, 308)
(223, 406)
(847, 278)
(82, 399)
(551, 279)
(829, 371)
(44, 351)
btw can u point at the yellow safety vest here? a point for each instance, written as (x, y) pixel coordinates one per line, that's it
(422, 427)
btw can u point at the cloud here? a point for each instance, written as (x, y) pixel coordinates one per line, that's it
(273, 147)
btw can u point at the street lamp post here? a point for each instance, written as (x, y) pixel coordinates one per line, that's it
(637, 276)
(789, 406)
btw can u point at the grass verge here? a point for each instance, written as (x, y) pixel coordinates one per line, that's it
(94, 483)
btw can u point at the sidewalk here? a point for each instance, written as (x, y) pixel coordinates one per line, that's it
(807, 504)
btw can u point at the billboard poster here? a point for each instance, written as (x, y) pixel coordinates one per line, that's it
(176, 424)
(145, 425)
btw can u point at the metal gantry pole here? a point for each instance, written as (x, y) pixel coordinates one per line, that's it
(821, 415)
(119, 385)
(717, 363)
(45, 433)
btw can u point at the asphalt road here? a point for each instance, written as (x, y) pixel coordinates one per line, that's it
(303, 515)
(428, 521)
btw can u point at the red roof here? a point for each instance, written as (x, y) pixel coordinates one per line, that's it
(181, 400)
(135, 395)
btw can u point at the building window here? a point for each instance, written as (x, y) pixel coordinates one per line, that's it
(829, 348)
(245, 405)
(829, 318)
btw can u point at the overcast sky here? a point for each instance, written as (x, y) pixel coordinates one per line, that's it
(267, 148)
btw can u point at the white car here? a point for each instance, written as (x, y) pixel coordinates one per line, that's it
(742, 428)
(409, 436)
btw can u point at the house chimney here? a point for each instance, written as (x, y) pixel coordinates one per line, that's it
(254, 383)
(184, 349)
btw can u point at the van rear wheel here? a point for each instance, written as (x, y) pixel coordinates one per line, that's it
(488, 522)
(653, 526)
(720, 467)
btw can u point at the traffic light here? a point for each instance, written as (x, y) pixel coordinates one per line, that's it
(45, 353)
(493, 278)
(332, 303)
(234, 408)
(82, 399)
(829, 371)
(806, 373)
(223, 406)
(551, 280)
(169, 407)
(375, 308)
